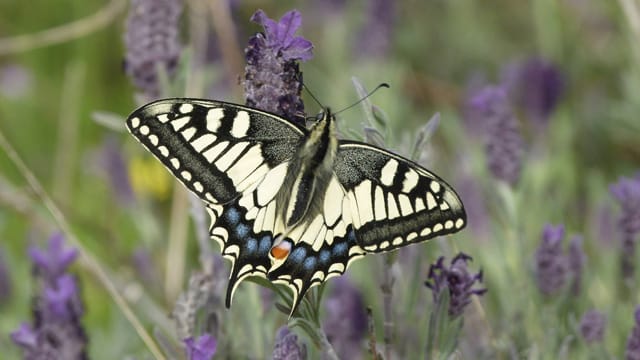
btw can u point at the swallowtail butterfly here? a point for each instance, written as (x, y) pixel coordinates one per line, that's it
(293, 205)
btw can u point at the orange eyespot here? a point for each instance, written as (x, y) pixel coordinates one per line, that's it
(281, 251)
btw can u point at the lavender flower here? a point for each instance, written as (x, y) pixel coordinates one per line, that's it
(576, 259)
(536, 85)
(627, 192)
(114, 167)
(592, 326)
(287, 347)
(550, 263)
(56, 332)
(152, 41)
(202, 348)
(374, 39)
(53, 262)
(503, 141)
(633, 341)
(346, 321)
(5, 280)
(273, 81)
(455, 279)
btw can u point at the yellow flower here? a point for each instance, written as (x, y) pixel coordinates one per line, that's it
(149, 178)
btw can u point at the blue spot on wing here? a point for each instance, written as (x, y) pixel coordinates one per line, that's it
(309, 263)
(251, 245)
(297, 255)
(265, 244)
(351, 236)
(325, 256)
(242, 230)
(340, 249)
(232, 215)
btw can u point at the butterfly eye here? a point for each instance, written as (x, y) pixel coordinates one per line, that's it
(281, 251)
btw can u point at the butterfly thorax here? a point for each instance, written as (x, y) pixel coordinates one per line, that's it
(309, 172)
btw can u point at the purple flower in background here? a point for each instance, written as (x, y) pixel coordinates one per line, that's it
(114, 168)
(504, 145)
(536, 86)
(374, 38)
(52, 262)
(456, 280)
(203, 348)
(15, 81)
(273, 81)
(470, 192)
(287, 346)
(592, 326)
(550, 263)
(5, 280)
(57, 332)
(25, 336)
(346, 320)
(59, 296)
(152, 41)
(145, 268)
(627, 192)
(633, 341)
(576, 258)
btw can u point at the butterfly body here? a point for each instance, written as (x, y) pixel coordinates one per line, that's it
(294, 205)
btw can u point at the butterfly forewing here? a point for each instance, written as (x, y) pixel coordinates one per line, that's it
(394, 201)
(215, 149)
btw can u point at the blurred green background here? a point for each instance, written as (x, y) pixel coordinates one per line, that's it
(62, 63)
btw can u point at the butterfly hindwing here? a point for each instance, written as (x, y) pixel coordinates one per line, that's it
(324, 244)
(217, 150)
(394, 201)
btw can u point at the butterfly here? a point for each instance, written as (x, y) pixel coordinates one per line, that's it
(293, 205)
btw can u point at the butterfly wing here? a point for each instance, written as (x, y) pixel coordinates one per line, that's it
(217, 150)
(394, 201)
(232, 157)
(324, 244)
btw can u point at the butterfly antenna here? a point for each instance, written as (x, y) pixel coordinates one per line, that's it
(312, 96)
(382, 85)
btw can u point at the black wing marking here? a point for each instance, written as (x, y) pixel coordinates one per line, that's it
(216, 149)
(395, 201)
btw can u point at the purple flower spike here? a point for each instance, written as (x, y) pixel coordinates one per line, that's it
(287, 347)
(57, 331)
(592, 326)
(627, 192)
(114, 167)
(633, 341)
(504, 145)
(25, 336)
(536, 86)
(375, 37)
(280, 35)
(346, 321)
(202, 348)
(455, 279)
(550, 263)
(273, 81)
(54, 261)
(60, 296)
(152, 41)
